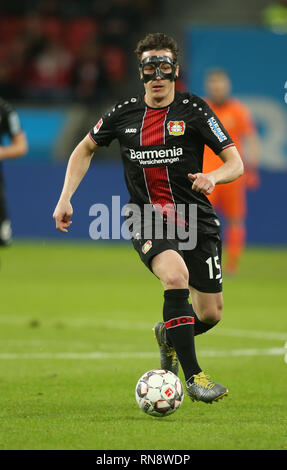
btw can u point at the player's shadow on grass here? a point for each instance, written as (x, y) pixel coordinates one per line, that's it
(153, 418)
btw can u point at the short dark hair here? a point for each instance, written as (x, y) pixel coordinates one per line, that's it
(157, 41)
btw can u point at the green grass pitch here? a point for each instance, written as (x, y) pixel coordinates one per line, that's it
(76, 334)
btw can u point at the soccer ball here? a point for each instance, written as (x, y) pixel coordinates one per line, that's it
(159, 392)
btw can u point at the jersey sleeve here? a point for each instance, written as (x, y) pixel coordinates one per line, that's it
(103, 133)
(211, 130)
(11, 123)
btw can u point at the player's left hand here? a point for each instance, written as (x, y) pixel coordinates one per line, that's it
(202, 182)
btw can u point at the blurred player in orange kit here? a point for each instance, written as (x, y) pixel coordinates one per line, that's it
(230, 199)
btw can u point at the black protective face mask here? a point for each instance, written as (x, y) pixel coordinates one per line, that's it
(153, 67)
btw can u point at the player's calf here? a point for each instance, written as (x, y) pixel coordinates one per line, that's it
(206, 310)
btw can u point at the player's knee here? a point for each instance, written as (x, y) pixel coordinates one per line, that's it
(176, 280)
(212, 313)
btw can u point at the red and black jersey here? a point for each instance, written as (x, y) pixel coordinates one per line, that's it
(160, 146)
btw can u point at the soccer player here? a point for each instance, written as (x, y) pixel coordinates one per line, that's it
(9, 125)
(162, 134)
(230, 200)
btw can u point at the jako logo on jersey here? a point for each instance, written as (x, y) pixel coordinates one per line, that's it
(98, 126)
(147, 246)
(176, 127)
(213, 124)
(130, 131)
(154, 154)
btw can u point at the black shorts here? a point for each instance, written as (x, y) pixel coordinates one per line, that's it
(203, 262)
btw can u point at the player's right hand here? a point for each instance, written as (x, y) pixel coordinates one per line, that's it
(62, 215)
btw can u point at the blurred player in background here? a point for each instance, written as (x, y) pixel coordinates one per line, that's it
(9, 125)
(230, 199)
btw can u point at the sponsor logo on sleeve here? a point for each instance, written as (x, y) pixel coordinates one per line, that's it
(14, 123)
(98, 126)
(214, 126)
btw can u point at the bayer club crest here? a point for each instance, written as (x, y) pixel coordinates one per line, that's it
(176, 127)
(146, 247)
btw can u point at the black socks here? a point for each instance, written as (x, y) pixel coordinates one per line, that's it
(179, 323)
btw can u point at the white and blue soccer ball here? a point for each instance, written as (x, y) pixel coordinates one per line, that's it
(159, 392)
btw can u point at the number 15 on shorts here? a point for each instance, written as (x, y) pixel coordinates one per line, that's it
(214, 268)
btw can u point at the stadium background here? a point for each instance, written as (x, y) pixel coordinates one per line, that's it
(65, 63)
(76, 322)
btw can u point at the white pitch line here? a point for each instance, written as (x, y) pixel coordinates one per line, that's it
(269, 335)
(143, 355)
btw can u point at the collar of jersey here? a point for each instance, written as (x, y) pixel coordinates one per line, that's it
(164, 107)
